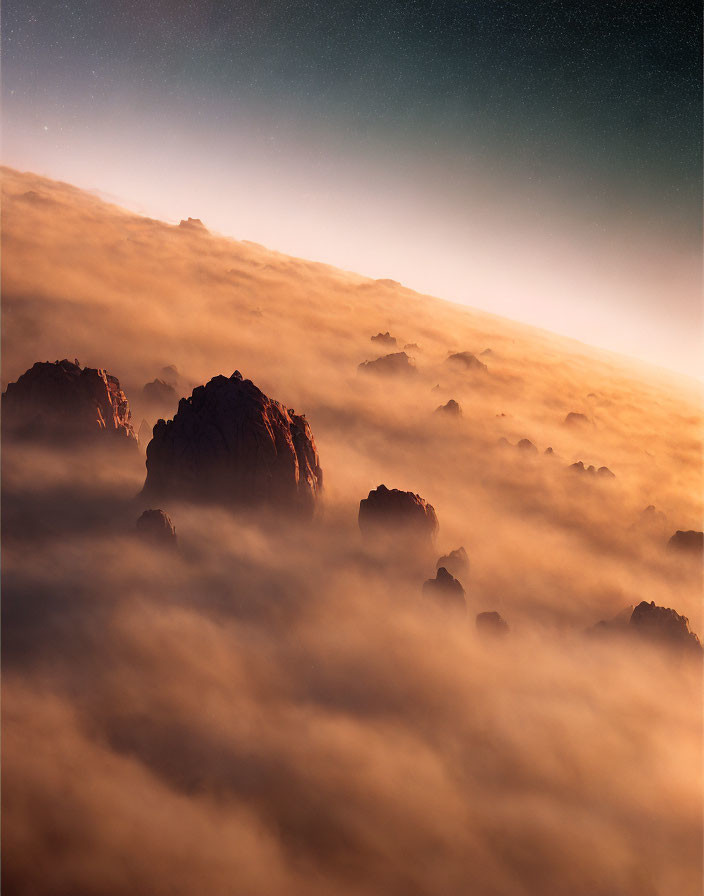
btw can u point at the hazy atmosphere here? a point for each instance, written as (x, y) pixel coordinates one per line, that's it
(352, 484)
(540, 161)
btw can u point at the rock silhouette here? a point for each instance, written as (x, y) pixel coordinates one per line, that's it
(604, 472)
(385, 339)
(230, 444)
(527, 446)
(445, 591)
(156, 526)
(456, 563)
(63, 400)
(395, 512)
(451, 409)
(575, 419)
(466, 360)
(159, 392)
(193, 224)
(689, 541)
(491, 624)
(664, 626)
(389, 365)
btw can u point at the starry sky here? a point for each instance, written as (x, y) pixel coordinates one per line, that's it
(539, 160)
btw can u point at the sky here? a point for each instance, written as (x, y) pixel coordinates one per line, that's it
(538, 160)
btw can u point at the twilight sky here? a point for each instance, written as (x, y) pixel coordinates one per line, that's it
(539, 160)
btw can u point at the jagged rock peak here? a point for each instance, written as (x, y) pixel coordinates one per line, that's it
(230, 444)
(65, 400)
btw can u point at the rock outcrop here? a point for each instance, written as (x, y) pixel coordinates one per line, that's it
(159, 392)
(451, 409)
(156, 527)
(394, 513)
(604, 472)
(64, 400)
(385, 339)
(230, 444)
(445, 591)
(389, 365)
(575, 419)
(193, 224)
(527, 446)
(664, 626)
(688, 541)
(456, 563)
(491, 624)
(466, 360)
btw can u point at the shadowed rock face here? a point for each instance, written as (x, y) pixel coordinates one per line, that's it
(456, 563)
(156, 526)
(491, 624)
(230, 444)
(466, 360)
(689, 541)
(392, 511)
(445, 591)
(389, 365)
(193, 224)
(63, 400)
(665, 626)
(605, 472)
(451, 409)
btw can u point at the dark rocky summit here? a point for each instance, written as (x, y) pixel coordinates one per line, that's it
(466, 360)
(394, 512)
(389, 365)
(456, 563)
(385, 339)
(689, 541)
(451, 409)
(664, 626)
(575, 419)
(491, 624)
(445, 591)
(156, 526)
(659, 625)
(63, 400)
(230, 444)
(411, 347)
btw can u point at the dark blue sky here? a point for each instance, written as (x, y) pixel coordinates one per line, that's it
(585, 110)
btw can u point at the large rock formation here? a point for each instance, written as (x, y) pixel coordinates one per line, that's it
(445, 591)
(456, 563)
(390, 365)
(230, 444)
(394, 512)
(467, 360)
(689, 541)
(64, 400)
(664, 626)
(156, 527)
